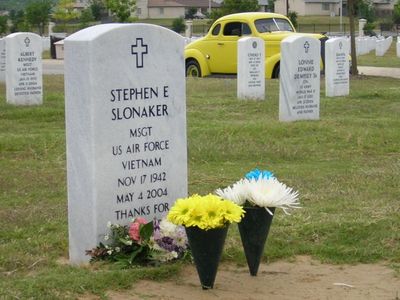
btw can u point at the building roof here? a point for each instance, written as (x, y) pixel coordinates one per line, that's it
(182, 3)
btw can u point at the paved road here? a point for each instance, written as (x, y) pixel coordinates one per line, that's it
(54, 66)
(378, 71)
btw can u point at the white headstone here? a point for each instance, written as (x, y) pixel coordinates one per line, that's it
(337, 67)
(24, 69)
(383, 45)
(251, 68)
(299, 91)
(126, 128)
(398, 47)
(2, 60)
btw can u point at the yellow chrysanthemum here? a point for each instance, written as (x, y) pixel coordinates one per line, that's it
(205, 212)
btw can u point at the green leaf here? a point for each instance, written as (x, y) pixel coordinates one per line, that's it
(146, 231)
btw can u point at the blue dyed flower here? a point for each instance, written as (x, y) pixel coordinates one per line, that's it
(257, 174)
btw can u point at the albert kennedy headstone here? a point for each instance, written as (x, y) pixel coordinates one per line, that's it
(337, 67)
(24, 69)
(299, 79)
(125, 126)
(2, 60)
(251, 68)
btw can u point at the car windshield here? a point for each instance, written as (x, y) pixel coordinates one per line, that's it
(272, 24)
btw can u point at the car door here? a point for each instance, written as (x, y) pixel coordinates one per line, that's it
(222, 51)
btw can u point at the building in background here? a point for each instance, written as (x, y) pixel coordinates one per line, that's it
(170, 9)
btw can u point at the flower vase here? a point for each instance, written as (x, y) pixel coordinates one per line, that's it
(206, 247)
(254, 228)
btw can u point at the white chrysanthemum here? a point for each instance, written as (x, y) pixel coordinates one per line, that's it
(167, 228)
(272, 193)
(238, 193)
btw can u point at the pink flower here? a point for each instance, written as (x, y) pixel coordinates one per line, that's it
(134, 228)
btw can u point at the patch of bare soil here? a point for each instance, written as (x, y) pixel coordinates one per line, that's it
(301, 279)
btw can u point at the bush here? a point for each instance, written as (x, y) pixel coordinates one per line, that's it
(178, 25)
(293, 18)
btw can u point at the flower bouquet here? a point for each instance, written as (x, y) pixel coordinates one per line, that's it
(259, 193)
(141, 243)
(206, 220)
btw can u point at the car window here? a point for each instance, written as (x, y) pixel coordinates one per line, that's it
(236, 29)
(272, 24)
(283, 25)
(216, 29)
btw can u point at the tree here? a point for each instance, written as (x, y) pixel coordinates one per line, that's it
(396, 13)
(86, 17)
(97, 7)
(121, 9)
(352, 10)
(190, 13)
(18, 21)
(178, 25)
(37, 13)
(235, 6)
(64, 12)
(3, 24)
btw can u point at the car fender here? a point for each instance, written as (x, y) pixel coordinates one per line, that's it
(270, 64)
(197, 55)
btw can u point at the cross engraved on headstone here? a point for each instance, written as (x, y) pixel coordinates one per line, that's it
(306, 46)
(27, 41)
(340, 45)
(141, 51)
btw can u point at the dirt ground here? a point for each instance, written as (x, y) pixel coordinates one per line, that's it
(302, 279)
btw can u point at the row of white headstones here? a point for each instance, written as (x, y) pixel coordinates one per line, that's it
(380, 45)
(299, 73)
(125, 100)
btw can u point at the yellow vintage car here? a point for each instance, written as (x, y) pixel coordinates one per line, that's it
(216, 53)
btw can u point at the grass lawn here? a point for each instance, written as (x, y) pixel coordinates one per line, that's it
(345, 166)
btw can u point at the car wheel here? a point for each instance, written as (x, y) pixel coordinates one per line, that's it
(193, 68)
(277, 70)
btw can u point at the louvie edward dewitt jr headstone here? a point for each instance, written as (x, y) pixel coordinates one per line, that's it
(125, 126)
(299, 79)
(24, 69)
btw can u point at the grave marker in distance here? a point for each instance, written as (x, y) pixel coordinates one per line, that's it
(2, 60)
(299, 91)
(337, 76)
(126, 128)
(24, 69)
(251, 68)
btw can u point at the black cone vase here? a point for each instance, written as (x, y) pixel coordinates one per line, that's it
(254, 228)
(206, 246)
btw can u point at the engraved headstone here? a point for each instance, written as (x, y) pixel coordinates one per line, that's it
(24, 69)
(2, 60)
(337, 67)
(299, 91)
(126, 128)
(251, 68)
